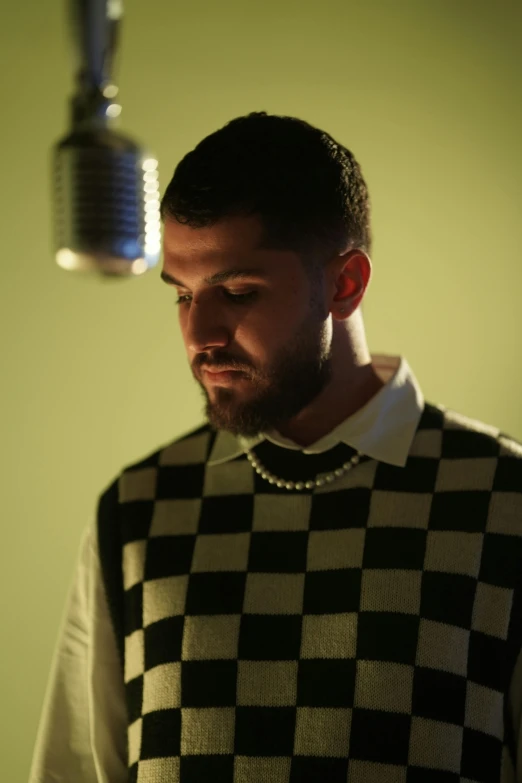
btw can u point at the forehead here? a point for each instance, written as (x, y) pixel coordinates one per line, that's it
(229, 235)
(233, 241)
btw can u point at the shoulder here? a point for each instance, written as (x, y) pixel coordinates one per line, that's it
(476, 467)
(464, 437)
(190, 448)
(138, 479)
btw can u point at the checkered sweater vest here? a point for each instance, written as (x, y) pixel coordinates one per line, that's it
(366, 631)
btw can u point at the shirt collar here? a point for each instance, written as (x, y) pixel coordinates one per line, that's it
(383, 429)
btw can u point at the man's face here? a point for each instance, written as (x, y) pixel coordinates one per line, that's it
(269, 325)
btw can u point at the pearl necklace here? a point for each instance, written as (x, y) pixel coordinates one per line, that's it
(327, 478)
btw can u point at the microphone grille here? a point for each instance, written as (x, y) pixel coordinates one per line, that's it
(106, 198)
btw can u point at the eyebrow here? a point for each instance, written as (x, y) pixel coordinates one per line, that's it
(218, 277)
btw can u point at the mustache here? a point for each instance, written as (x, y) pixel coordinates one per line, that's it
(219, 363)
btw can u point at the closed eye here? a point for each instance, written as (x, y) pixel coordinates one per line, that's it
(236, 298)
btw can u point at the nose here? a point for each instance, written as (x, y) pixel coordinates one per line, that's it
(205, 327)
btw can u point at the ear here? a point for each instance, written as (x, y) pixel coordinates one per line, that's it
(352, 277)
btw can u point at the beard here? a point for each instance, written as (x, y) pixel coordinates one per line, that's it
(292, 381)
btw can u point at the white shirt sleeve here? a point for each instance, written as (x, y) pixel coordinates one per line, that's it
(82, 734)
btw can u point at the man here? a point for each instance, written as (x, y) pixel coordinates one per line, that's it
(322, 582)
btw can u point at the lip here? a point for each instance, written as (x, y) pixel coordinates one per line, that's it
(223, 375)
(217, 372)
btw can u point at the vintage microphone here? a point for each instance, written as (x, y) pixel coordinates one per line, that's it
(105, 185)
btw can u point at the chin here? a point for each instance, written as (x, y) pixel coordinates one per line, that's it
(236, 419)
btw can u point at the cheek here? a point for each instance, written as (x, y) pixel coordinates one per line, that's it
(251, 341)
(264, 341)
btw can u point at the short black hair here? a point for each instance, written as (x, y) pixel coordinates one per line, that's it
(307, 188)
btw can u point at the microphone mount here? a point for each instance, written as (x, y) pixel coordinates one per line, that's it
(95, 26)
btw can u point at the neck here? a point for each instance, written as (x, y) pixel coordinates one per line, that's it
(353, 384)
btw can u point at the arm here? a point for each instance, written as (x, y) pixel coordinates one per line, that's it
(82, 731)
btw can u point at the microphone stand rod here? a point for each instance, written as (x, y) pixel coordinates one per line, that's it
(95, 28)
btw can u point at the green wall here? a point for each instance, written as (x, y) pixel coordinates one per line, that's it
(426, 93)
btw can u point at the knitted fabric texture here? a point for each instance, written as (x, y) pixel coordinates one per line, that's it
(365, 631)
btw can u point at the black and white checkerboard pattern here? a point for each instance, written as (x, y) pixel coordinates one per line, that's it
(363, 632)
